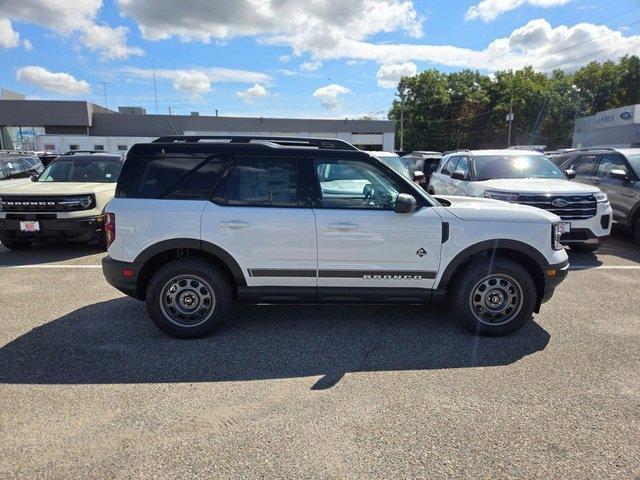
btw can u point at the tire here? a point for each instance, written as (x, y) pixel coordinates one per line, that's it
(585, 248)
(188, 298)
(431, 191)
(474, 289)
(16, 245)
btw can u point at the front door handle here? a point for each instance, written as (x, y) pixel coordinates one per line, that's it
(342, 226)
(234, 224)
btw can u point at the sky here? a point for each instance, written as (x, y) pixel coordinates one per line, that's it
(290, 58)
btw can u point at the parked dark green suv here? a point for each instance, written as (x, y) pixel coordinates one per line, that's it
(616, 171)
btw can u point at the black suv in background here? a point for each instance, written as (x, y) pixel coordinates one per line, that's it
(423, 161)
(15, 164)
(616, 171)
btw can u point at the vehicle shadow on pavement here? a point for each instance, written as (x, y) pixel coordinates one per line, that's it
(619, 245)
(115, 342)
(46, 253)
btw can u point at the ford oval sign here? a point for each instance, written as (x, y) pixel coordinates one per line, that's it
(626, 115)
(559, 202)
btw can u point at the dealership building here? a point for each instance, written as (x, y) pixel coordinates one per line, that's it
(619, 127)
(60, 126)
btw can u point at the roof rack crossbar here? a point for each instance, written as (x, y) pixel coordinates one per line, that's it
(321, 143)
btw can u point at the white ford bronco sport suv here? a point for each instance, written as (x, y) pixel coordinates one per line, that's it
(65, 202)
(200, 222)
(530, 178)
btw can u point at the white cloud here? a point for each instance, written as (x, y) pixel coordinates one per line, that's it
(310, 66)
(388, 76)
(9, 38)
(199, 80)
(488, 10)
(330, 95)
(252, 94)
(304, 25)
(27, 45)
(57, 82)
(537, 43)
(284, 58)
(68, 18)
(192, 81)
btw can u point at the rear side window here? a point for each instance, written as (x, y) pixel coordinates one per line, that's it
(189, 178)
(261, 182)
(611, 162)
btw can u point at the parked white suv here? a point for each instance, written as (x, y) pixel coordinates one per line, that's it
(530, 178)
(198, 222)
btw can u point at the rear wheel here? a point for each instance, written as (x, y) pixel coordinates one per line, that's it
(493, 297)
(188, 298)
(16, 245)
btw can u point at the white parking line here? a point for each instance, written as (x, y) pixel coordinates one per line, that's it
(604, 267)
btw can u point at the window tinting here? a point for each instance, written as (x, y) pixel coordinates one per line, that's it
(190, 178)
(583, 165)
(261, 182)
(610, 162)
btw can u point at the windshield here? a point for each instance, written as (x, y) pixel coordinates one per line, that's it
(81, 170)
(634, 161)
(488, 167)
(394, 162)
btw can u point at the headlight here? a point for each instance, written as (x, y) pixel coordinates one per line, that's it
(557, 229)
(83, 202)
(504, 196)
(601, 197)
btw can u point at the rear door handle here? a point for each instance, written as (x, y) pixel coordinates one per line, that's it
(234, 224)
(342, 226)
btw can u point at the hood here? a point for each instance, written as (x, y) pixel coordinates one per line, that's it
(488, 210)
(536, 185)
(55, 188)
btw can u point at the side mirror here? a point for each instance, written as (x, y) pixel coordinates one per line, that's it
(458, 175)
(405, 203)
(570, 173)
(618, 175)
(34, 178)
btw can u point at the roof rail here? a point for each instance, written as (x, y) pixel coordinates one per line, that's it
(322, 143)
(447, 152)
(83, 152)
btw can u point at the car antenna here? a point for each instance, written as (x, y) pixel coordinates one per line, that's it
(171, 125)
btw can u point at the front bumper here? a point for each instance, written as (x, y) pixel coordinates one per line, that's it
(590, 231)
(553, 276)
(77, 229)
(123, 276)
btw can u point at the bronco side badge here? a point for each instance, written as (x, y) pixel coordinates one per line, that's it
(421, 253)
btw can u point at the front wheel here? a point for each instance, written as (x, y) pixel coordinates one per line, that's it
(188, 298)
(493, 296)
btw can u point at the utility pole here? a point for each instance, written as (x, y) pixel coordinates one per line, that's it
(510, 118)
(104, 87)
(155, 88)
(402, 96)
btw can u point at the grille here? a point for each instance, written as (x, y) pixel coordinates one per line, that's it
(567, 207)
(36, 204)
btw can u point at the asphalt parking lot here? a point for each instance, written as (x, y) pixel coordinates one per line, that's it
(90, 388)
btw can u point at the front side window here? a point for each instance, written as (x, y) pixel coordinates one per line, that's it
(14, 169)
(583, 165)
(609, 162)
(463, 166)
(81, 170)
(261, 182)
(354, 184)
(516, 166)
(450, 166)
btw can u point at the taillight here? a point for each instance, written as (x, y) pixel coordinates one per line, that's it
(110, 228)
